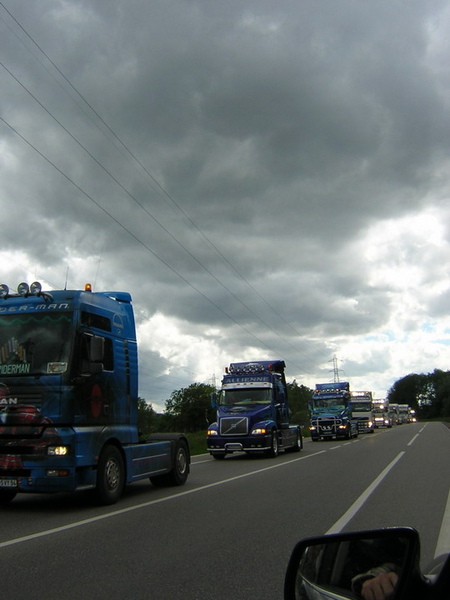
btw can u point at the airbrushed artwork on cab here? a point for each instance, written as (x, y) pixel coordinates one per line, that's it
(22, 421)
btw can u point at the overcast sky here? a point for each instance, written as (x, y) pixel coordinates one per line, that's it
(267, 179)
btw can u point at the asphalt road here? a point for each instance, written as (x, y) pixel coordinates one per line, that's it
(229, 531)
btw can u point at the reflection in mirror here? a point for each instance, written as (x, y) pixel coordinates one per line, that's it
(351, 566)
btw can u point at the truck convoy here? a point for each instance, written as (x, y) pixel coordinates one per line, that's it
(253, 413)
(69, 397)
(381, 416)
(331, 412)
(362, 411)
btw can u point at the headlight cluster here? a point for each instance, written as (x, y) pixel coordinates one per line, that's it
(259, 431)
(58, 450)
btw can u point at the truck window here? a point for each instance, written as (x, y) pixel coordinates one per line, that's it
(35, 343)
(96, 321)
(244, 397)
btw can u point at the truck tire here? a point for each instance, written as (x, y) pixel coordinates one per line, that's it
(273, 450)
(298, 443)
(180, 471)
(110, 476)
(6, 496)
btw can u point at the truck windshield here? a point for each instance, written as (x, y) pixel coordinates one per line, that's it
(34, 343)
(328, 404)
(360, 406)
(245, 397)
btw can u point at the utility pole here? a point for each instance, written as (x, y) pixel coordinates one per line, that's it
(335, 369)
(213, 381)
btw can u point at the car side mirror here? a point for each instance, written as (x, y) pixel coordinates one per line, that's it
(345, 566)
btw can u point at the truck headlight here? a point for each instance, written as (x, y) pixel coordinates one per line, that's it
(58, 450)
(212, 432)
(259, 431)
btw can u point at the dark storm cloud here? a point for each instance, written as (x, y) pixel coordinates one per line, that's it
(225, 161)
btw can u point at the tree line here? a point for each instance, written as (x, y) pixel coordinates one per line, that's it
(428, 394)
(189, 409)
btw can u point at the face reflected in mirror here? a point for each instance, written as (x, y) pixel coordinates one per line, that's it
(349, 567)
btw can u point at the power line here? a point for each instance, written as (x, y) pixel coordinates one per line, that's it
(162, 190)
(134, 236)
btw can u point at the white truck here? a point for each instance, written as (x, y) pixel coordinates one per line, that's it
(362, 411)
(381, 416)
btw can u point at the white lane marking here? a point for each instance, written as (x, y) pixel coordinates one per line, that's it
(443, 543)
(413, 440)
(351, 512)
(123, 511)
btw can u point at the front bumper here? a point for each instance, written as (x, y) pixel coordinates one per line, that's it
(250, 443)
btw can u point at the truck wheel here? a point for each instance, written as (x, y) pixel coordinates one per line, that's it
(180, 470)
(110, 476)
(298, 443)
(273, 450)
(6, 496)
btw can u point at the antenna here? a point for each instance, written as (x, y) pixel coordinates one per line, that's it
(67, 277)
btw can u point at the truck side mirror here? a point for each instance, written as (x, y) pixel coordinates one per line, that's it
(93, 354)
(214, 400)
(96, 349)
(337, 566)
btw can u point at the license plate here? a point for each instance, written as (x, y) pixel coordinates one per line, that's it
(8, 483)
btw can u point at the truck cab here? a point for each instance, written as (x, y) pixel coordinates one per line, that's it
(253, 413)
(331, 413)
(381, 416)
(69, 397)
(362, 411)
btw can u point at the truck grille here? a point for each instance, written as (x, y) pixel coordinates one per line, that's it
(233, 426)
(327, 426)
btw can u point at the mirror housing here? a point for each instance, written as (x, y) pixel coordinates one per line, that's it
(93, 354)
(213, 398)
(337, 566)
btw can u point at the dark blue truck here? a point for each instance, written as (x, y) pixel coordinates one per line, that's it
(69, 397)
(331, 412)
(253, 413)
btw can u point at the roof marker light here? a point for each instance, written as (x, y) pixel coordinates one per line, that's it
(23, 288)
(36, 288)
(88, 287)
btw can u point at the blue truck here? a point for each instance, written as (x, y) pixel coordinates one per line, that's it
(69, 397)
(331, 412)
(253, 414)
